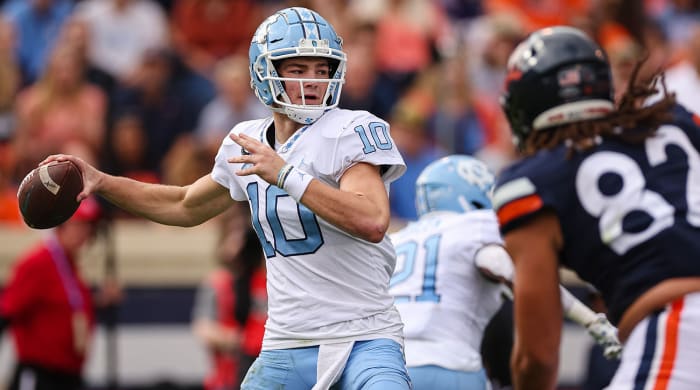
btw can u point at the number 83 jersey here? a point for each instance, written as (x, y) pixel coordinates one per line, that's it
(323, 283)
(629, 214)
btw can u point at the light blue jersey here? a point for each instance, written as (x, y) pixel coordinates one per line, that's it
(444, 300)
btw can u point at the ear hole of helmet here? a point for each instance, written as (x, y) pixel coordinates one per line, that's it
(478, 205)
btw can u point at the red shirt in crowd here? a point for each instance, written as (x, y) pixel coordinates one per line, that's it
(225, 371)
(42, 316)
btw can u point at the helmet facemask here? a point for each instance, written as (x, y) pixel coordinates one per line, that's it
(267, 52)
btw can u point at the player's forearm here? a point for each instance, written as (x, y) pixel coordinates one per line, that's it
(532, 374)
(156, 202)
(352, 212)
(574, 309)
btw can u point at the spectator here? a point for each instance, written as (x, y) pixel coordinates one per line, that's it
(121, 32)
(235, 102)
(126, 150)
(59, 109)
(541, 13)
(9, 208)
(162, 104)
(677, 18)
(76, 33)
(364, 89)
(623, 53)
(683, 78)
(37, 24)
(9, 83)
(251, 290)
(222, 309)
(9, 71)
(490, 40)
(408, 124)
(456, 122)
(49, 308)
(206, 31)
(411, 36)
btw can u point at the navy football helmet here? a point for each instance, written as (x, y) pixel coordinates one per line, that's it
(454, 183)
(295, 32)
(557, 75)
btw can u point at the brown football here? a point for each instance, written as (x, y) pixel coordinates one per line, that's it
(47, 195)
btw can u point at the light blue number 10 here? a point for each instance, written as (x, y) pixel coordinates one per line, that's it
(380, 136)
(286, 247)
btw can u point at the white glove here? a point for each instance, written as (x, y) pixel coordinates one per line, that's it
(605, 335)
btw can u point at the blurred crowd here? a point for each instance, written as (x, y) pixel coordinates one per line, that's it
(148, 88)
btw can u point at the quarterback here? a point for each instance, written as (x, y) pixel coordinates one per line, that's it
(316, 179)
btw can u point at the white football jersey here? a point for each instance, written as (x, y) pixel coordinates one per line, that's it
(323, 284)
(444, 300)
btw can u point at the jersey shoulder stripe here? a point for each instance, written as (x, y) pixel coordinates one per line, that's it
(516, 199)
(519, 208)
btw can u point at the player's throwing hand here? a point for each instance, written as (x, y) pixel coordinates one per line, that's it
(258, 158)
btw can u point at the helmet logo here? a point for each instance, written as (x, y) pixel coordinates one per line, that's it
(261, 33)
(476, 174)
(569, 77)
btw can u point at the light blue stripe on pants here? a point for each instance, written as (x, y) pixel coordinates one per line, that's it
(372, 365)
(435, 377)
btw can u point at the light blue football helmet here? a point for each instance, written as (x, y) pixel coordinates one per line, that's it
(295, 32)
(455, 183)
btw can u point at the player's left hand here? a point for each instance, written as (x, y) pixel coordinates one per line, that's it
(605, 335)
(260, 159)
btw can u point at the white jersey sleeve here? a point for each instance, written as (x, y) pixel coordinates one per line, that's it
(224, 171)
(324, 285)
(353, 137)
(444, 300)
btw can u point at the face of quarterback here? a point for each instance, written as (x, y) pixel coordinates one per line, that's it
(305, 92)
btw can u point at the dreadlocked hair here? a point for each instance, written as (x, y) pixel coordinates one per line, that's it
(631, 121)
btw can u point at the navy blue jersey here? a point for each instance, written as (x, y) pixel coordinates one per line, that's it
(630, 214)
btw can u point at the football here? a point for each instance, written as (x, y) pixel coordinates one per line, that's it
(47, 195)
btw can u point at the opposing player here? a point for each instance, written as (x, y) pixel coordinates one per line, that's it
(316, 178)
(611, 192)
(451, 276)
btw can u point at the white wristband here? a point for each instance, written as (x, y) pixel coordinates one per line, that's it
(296, 182)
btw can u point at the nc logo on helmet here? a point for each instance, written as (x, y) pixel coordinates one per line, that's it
(476, 174)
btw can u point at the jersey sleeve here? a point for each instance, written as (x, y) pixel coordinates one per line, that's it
(223, 171)
(367, 139)
(514, 201)
(542, 182)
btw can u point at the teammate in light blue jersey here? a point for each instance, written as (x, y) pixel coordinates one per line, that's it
(451, 276)
(316, 178)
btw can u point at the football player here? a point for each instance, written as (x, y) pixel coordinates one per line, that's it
(610, 191)
(451, 274)
(316, 178)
